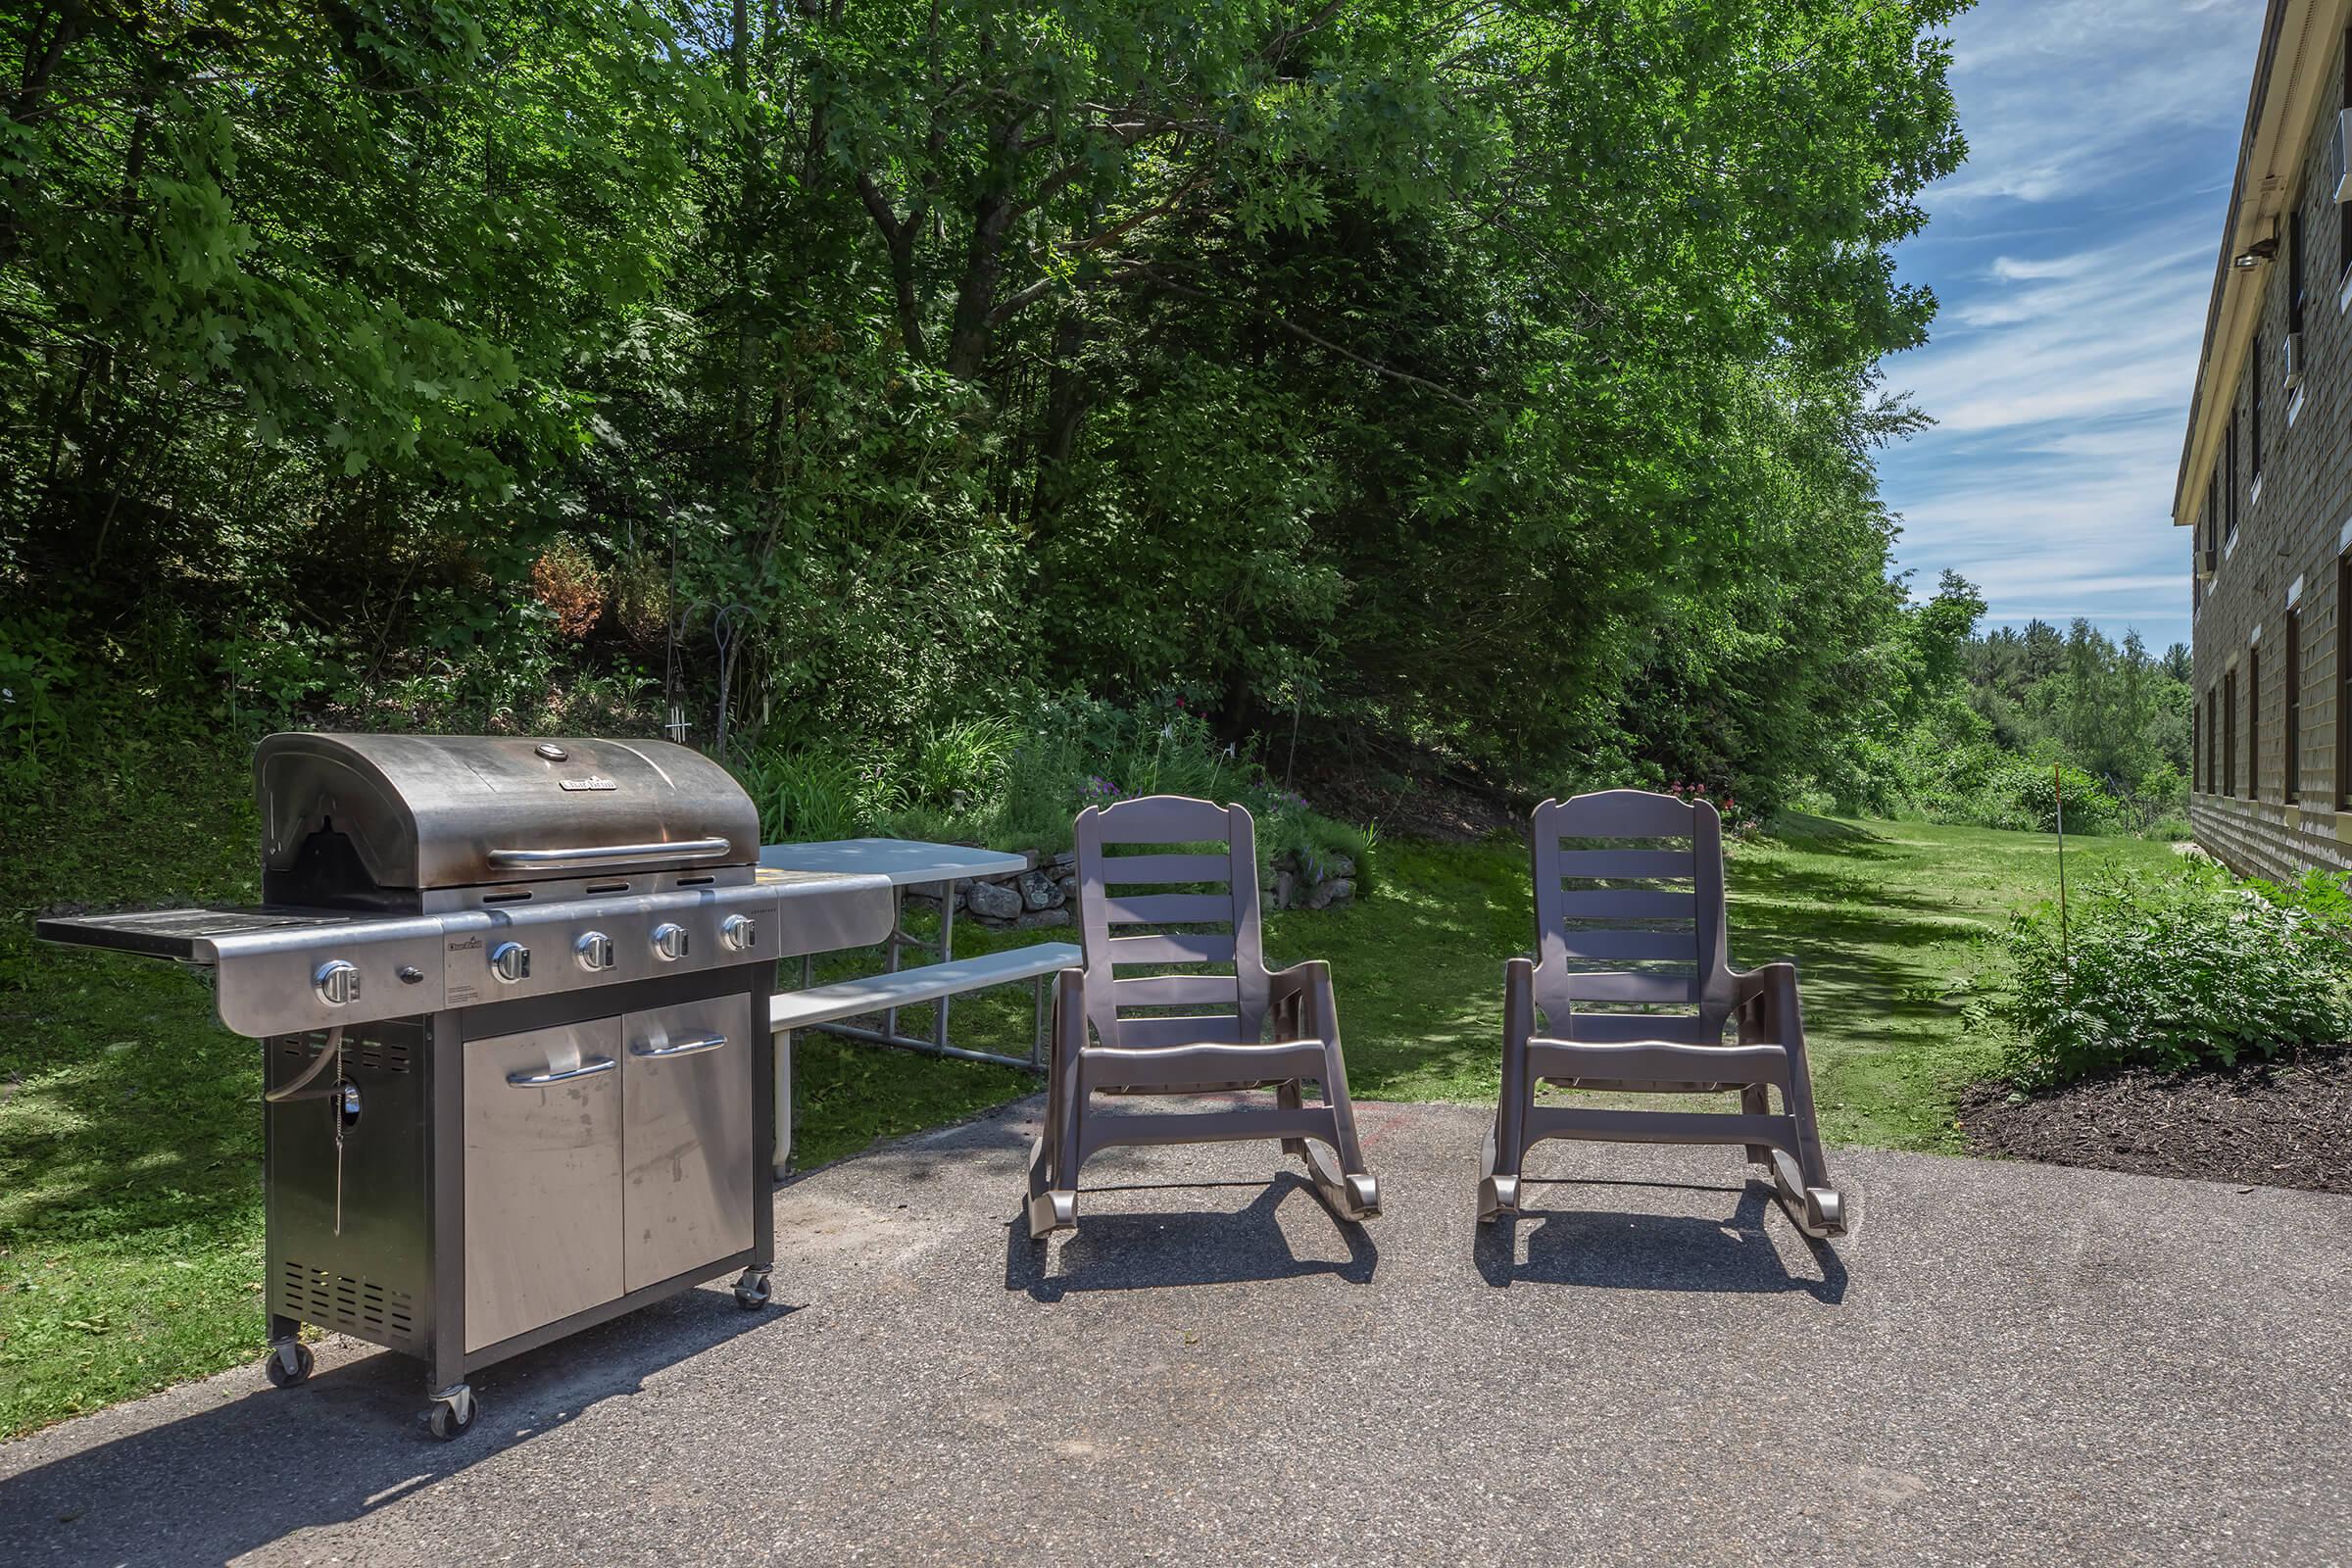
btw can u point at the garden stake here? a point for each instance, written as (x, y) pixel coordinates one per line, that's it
(2066, 959)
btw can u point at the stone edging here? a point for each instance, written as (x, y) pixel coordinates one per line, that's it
(1046, 893)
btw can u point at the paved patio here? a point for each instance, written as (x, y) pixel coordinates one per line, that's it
(2007, 1364)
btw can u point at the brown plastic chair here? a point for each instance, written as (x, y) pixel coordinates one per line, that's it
(1601, 941)
(1139, 1047)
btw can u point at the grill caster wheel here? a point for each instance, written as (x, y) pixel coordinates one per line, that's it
(290, 1362)
(750, 1291)
(452, 1414)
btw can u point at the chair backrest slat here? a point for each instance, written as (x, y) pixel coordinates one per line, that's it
(1159, 870)
(1170, 947)
(1645, 946)
(1175, 990)
(1145, 1034)
(1236, 976)
(1169, 908)
(1627, 903)
(1663, 865)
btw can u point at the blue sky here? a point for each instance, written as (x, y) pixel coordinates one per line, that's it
(2071, 255)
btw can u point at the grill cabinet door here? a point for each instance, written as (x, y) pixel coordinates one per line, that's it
(686, 1096)
(542, 1177)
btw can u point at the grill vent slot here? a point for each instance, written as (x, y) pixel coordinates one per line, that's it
(375, 1054)
(339, 1301)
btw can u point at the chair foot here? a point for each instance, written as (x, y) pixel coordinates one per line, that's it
(1498, 1195)
(1051, 1212)
(1352, 1196)
(1818, 1212)
(1048, 1209)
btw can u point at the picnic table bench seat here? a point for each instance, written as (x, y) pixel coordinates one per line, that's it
(809, 1008)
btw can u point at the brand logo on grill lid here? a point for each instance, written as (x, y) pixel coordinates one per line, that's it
(594, 781)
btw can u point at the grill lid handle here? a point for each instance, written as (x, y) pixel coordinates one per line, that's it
(599, 854)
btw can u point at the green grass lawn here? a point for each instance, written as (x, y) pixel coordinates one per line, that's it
(131, 1225)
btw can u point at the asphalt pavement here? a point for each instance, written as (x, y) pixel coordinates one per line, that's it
(2004, 1363)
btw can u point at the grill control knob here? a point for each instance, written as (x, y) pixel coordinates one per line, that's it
(594, 951)
(338, 982)
(737, 932)
(511, 962)
(669, 940)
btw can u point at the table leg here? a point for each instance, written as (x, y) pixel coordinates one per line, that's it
(1037, 1041)
(783, 1151)
(946, 950)
(898, 935)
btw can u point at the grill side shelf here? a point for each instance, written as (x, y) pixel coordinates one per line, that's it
(186, 935)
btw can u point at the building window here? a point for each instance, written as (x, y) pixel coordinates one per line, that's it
(2230, 482)
(2291, 698)
(2343, 209)
(2253, 723)
(2196, 747)
(2229, 732)
(2213, 772)
(2294, 265)
(2343, 681)
(2254, 422)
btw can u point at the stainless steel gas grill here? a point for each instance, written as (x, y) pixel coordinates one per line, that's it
(513, 994)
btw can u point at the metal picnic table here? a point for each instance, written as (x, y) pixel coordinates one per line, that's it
(913, 863)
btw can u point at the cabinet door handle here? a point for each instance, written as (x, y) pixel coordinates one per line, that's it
(680, 1048)
(557, 1075)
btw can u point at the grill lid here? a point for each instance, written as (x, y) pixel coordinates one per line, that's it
(462, 811)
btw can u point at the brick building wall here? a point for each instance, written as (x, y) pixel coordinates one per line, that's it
(2283, 573)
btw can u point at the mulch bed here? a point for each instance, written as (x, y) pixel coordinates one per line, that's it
(2280, 1124)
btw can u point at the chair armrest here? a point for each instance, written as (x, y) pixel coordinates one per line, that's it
(1069, 1011)
(1309, 984)
(1767, 999)
(1518, 1002)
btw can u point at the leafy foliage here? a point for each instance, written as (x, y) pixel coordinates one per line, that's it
(2179, 970)
(1988, 730)
(1018, 786)
(1491, 381)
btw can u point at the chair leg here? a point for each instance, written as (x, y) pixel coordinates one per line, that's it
(1290, 1096)
(1506, 1153)
(1755, 1100)
(1804, 1183)
(1351, 1191)
(1497, 1188)
(1054, 1158)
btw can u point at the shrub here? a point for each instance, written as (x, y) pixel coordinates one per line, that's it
(1976, 784)
(1017, 786)
(2181, 969)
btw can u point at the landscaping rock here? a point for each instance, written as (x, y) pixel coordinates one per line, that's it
(1039, 919)
(1069, 887)
(1331, 891)
(1065, 861)
(1040, 890)
(992, 901)
(1286, 887)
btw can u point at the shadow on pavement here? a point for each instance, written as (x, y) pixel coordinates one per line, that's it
(1148, 1251)
(1648, 1252)
(242, 1475)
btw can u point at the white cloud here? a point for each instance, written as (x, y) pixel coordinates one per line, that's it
(2073, 258)
(2060, 95)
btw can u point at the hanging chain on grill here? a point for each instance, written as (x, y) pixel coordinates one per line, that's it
(334, 1041)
